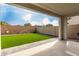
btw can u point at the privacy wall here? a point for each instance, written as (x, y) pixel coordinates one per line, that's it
(51, 30)
(5, 29)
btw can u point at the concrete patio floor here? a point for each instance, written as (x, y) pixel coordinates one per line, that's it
(62, 48)
(57, 50)
(53, 48)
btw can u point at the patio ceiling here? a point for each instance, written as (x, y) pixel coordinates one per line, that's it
(58, 9)
(64, 9)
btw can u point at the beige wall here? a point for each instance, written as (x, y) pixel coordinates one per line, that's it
(72, 31)
(16, 29)
(48, 30)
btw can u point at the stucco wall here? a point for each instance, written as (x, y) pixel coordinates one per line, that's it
(72, 31)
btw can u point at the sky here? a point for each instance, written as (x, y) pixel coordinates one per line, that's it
(18, 16)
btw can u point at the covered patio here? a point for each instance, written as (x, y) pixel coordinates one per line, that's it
(62, 47)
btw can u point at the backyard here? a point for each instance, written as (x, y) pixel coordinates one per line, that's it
(12, 40)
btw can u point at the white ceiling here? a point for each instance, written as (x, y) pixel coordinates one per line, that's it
(66, 9)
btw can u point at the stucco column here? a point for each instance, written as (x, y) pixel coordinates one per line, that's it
(63, 28)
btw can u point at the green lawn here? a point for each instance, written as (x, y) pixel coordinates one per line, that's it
(19, 39)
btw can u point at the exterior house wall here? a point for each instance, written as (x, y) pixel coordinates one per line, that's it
(72, 31)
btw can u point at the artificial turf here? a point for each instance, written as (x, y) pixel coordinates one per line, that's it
(8, 41)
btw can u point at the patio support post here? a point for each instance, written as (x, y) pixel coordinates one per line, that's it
(63, 28)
